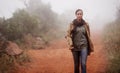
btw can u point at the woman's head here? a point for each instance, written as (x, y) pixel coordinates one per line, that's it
(79, 14)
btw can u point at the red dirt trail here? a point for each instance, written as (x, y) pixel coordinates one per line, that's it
(57, 58)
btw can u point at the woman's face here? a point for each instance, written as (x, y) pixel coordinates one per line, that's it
(79, 15)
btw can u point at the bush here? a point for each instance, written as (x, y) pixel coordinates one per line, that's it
(10, 64)
(19, 25)
(112, 46)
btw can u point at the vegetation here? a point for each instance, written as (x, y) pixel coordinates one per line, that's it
(10, 64)
(36, 21)
(112, 45)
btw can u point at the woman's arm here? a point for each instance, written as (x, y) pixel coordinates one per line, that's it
(69, 36)
(88, 28)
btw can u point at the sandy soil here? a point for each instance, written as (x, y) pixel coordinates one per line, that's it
(57, 58)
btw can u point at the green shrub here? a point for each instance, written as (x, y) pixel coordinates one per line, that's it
(112, 46)
(19, 25)
(10, 64)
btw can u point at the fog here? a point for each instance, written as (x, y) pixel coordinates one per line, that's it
(96, 12)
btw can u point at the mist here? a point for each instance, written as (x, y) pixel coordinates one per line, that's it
(96, 12)
(33, 31)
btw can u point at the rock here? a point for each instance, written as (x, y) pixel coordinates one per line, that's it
(13, 49)
(38, 44)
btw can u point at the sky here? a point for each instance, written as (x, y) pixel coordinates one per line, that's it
(95, 11)
(7, 7)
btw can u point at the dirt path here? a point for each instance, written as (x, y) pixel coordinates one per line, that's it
(58, 59)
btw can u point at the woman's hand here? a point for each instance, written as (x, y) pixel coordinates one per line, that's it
(71, 47)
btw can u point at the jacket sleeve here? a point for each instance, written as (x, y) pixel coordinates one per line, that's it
(69, 36)
(91, 46)
(88, 28)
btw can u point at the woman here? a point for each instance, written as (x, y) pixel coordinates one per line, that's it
(78, 37)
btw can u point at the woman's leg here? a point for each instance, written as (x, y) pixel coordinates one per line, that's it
(76, 60)
(83, 59)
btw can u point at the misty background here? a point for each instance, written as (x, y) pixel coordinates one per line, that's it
(96, 12)
(49, 19)
(33, 24)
